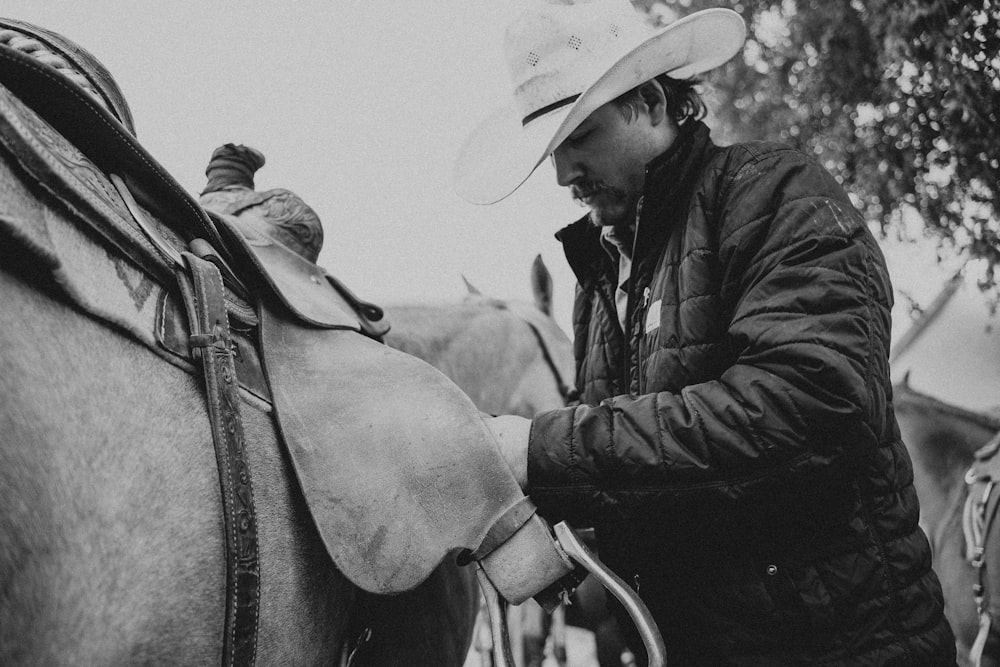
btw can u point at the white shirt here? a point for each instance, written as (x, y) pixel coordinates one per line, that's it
(622, 248)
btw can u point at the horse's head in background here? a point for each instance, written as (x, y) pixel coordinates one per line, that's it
(509, 357)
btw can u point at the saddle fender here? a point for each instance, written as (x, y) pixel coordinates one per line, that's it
(395, 462)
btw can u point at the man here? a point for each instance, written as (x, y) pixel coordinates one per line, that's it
(736, 448)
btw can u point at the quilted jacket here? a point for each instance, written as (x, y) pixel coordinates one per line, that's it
(736, 450)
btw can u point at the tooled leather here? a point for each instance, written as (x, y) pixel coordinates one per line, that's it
(56, 165)
(77, 177)
(91, 128)
(210, 335)
(172, 334)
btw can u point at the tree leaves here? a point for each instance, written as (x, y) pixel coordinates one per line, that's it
(899, 99)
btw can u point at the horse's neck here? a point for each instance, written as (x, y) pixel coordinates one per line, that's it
(425, 331)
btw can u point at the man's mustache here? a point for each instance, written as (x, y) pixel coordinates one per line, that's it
(585, 189)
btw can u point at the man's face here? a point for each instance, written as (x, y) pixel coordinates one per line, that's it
(603, 163)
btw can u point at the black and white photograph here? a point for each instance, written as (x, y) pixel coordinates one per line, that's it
(520, 333)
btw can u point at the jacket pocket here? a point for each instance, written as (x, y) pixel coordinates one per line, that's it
(802, 603)
(737, 614)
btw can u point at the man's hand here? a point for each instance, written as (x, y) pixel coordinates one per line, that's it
(511, 434)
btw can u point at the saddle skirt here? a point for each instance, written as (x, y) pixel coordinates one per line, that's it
(396, 465)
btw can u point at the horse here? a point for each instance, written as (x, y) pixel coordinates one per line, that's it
(942, 440)
(204, 458)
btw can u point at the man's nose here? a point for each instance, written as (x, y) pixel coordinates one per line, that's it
(567, 168)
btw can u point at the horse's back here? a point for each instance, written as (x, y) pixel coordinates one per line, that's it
(100, 445)
(112, 547)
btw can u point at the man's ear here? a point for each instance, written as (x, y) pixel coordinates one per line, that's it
(655, 100)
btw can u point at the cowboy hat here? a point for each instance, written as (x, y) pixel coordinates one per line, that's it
(567, 58)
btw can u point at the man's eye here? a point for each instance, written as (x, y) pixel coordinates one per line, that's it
(577, 138)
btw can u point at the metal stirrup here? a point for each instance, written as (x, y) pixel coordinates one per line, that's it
(656, 651)
(567, 539)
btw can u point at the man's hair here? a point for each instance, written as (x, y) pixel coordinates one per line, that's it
(682, 96)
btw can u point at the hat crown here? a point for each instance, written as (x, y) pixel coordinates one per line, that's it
(555, 50)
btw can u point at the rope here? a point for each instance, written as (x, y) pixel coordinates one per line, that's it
(37, 49)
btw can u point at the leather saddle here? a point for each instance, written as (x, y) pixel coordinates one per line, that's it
(395, 463)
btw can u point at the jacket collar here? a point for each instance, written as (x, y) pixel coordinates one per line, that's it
(669, 180)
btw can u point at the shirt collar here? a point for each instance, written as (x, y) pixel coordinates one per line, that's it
(617, 240)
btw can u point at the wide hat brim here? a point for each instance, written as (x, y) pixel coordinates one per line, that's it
(501, 153)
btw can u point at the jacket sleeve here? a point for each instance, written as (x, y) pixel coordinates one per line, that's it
(806, 393)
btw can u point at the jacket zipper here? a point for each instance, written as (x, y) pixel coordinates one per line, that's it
(641, 339)
(626, 365)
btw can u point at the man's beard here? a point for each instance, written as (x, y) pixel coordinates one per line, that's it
(608, 205)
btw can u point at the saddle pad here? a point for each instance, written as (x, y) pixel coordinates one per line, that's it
(394, 460)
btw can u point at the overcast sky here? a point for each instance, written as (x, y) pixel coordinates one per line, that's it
(359, 107)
